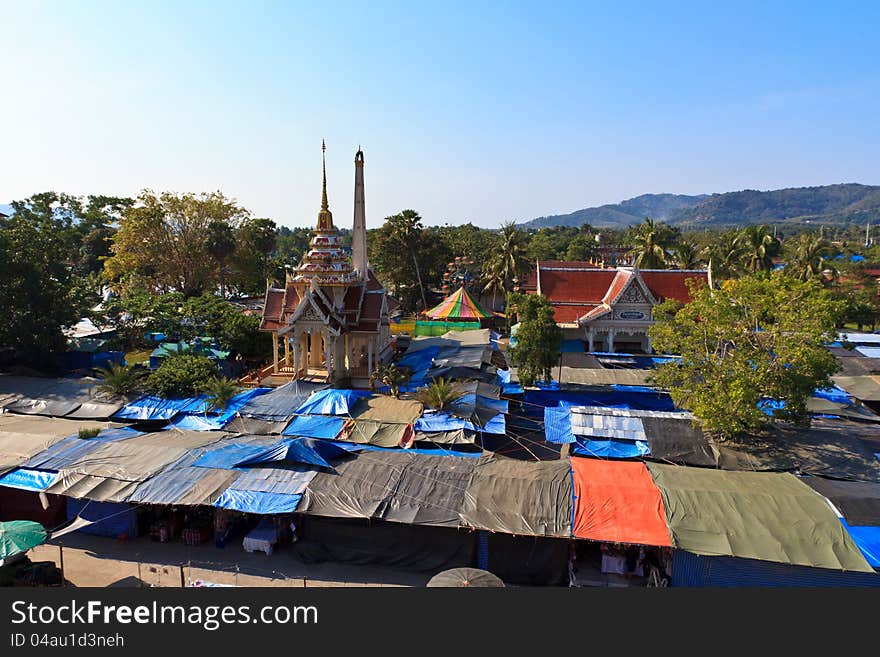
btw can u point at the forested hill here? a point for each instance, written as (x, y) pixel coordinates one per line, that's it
(828, 204)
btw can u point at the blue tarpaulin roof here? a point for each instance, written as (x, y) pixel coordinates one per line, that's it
(198, 420)
(73, 448)
(314, 426)
(258, 502)
(557, 425)
(434, 421)
(868, 541)
(280, 404)
(611, 449)
(299, 450)
(632, 397)
(228, 456)
(331, 401)
(155, 408)
(27, 479)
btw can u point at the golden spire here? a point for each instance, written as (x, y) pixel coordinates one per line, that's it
(325, 217)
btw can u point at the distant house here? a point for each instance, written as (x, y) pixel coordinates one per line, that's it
(608, 309)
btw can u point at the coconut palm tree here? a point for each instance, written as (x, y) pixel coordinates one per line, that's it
(439, 394)
(509, 263)
(724, 254)
(220, 392)
(807, 256)
(686, 255)
(651, 242)
(120, 380)
(758, 247)
(389, 375)
(406, 228)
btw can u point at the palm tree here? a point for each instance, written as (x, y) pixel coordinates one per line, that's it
(389, 375)
(724, 254)
(439, 395)
(406, 228)
(509, 263)
(807, 255)
(120, 380)
(686, 255)
(651, 242)
(220, 392)
(758, 247)
(494, 282)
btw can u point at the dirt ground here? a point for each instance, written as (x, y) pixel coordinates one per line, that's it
(98, 561)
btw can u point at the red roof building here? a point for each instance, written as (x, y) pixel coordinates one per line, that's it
(609, 309)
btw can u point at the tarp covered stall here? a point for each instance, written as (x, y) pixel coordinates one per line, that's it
(331, 401)
(529, 560)
(868, 540)
(865, 388)
(154, 409)
(606, 397)
(108, 518)
(519, 497)
(693, 570)
(52, 397)
(392, 485)
(380, 434)
(257, 502)
(617, 503)
(433, 421)
(314, 426)
(858, 501)
(677, 439)
(839, 449)
(360, 541)
(201, 419)
(755, 515)
(22, 437)
(387, 409)
(183, 484)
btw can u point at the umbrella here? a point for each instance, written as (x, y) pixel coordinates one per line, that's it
(20, 536)
(460, 577)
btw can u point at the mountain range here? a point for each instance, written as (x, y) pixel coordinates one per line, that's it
(826, 204)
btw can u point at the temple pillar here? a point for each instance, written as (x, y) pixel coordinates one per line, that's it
(609, 341)
(287, 349)
(591, 334)
(369, 356)
(314, 350)
(274, 353)
(327, 361)
(649, 348)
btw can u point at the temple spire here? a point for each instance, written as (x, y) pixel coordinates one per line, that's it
(359, 229)
(325, 217)
(324, 205)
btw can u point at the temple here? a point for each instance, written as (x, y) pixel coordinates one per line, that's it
(609, 309)
(330, 320)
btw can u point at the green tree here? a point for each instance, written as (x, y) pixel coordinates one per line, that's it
(406, 228)
(723, 254)
(686, 255)
(162, 242)
(538, 338)
(221, 245)
(758, 246)
(40, 292)
(183, 375)
(651, 243)
(757, 337)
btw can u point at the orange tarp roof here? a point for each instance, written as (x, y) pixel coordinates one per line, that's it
(617, 502)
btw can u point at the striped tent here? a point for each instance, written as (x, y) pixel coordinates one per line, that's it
(459, 306)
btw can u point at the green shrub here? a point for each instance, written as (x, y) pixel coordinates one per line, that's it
(184, 375)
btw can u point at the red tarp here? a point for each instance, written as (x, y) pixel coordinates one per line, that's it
(617, 502)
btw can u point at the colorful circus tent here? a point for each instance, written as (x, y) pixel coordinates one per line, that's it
(459, 306)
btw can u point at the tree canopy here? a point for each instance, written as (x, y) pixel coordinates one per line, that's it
(538, 338)
(756, 338)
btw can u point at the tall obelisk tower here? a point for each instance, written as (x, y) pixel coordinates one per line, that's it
(359, 231)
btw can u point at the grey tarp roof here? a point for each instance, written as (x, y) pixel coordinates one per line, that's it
(831, 448)
(678, 440)
(866, 388)
(519, 497)
(455, 437)
(240, 424)
(98, 488)
(371, 432)
(451, 340)
(22, 437)
(387, 409)
(392, 485)
(182, 484)
(858, 501)
(57, 397)
(756, 515)
(279, 405)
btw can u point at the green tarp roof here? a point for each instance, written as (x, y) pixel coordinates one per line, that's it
(756, 515)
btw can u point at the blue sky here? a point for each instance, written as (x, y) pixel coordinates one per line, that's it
(470, 111)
